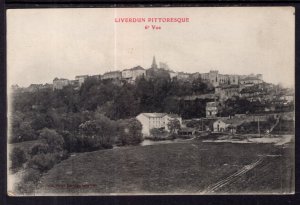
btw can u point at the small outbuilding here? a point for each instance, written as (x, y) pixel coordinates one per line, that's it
(226, 125)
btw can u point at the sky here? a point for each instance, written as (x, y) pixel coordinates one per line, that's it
(46, 43)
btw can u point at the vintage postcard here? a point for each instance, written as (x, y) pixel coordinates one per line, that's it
(143, 101)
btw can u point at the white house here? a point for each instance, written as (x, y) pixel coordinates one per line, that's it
(226, 125)
(133, 73)
(173, 74)
(250, 81)
(156, 120)
(219, 126)
(59, 83)
(81, 79)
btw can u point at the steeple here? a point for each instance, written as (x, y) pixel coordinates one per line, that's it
(154, 65)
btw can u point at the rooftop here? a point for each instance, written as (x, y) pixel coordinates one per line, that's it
(59, 79)
(251, 78)
(159, 115)
(154, 114)
(111, 72)
(231, 121)
(81, 76)
(135, 68)
(211, 104)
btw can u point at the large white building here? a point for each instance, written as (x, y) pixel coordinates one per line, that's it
(59, 83)
(133, 73)
(217, 79)
(81, 79)
(156, 120)
(250, 81)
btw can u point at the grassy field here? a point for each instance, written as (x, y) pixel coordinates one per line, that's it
(189, 167)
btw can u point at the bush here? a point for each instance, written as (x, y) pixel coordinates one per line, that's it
(98, 133)
(87, 144)
(173, 136)
(31, 175)
(70, 142)
(25, 187)
(22, 132)
(252, 127)
(92, 143)
(44, 162)
(40, 148)
(159, 133)
(129, 132)
(53, 139)
(18, 158)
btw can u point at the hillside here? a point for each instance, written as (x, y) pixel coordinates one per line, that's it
(188, 167)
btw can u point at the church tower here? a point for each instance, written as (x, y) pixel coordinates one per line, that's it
(154, 65)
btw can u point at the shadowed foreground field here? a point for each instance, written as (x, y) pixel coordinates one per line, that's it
(189, 167)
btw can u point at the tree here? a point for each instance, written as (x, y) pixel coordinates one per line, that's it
(44, 162)
(40, 148)
(129, 132)
(26, 132)
(125, 105)
(17, 157)
(171, 105)
(173, 125)
(70, 141)
(101, 131)
(52, 139)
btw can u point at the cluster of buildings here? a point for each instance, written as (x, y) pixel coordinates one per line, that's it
(216, 79)
(250, 87)
(230, 124)
(225, 84)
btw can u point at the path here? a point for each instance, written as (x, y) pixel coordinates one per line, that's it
(216, 186)
(273, 126)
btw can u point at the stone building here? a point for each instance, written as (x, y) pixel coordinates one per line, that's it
(211, 109)
(59, 83)
(227, 91)
(249, 81)
(34, 87)
(217, 79)
(183, 76)
(227, 125)
(81, 79)
(112, 75)
(173, 74)
(130, 75)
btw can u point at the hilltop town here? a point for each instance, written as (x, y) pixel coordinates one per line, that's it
(223, 101)
(137, 106)
(250, 87)
(223, 82)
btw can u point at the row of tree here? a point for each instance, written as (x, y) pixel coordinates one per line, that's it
(69, 108)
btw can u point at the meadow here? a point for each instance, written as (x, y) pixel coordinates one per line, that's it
(175, 168)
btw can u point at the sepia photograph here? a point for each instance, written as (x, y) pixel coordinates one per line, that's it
(151, 101)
